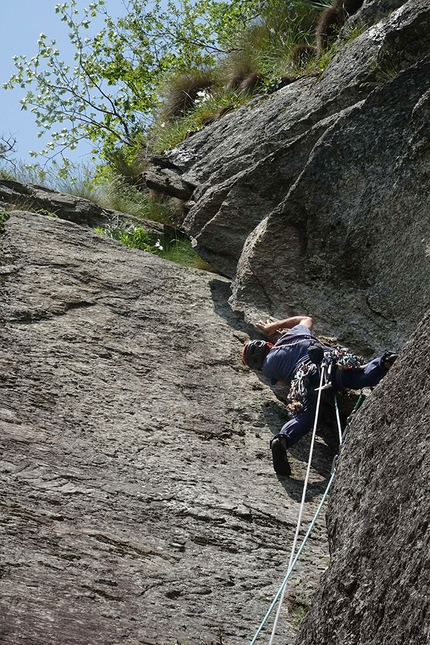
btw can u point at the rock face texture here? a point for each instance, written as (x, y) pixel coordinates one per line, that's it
(138, 500)
(376, 589)
(315, 199)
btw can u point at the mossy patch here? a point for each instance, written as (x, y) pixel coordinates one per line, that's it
(4, 216)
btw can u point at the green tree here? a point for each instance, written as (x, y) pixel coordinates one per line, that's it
(7, 146)
(108, 93)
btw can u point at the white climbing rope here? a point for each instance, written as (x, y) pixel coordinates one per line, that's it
(290, 570)
(302, 504)
(293, 562)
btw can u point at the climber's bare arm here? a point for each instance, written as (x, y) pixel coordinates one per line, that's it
(272, 326)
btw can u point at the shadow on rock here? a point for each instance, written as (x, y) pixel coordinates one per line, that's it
(325, 449)
(294, 488)
(221, 292)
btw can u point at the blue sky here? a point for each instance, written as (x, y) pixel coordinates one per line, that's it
(22, 23)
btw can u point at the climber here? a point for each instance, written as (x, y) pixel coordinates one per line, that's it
(288, 362)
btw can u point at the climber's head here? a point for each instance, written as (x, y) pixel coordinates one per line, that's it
(254, 353)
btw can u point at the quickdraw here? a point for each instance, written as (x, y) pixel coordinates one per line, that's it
(304, 377)
(344, 360)
(300, 386)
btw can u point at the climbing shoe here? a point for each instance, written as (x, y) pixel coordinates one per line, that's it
(388, 359)
(279, 456)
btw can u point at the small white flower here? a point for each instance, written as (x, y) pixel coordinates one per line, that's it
(202, 96)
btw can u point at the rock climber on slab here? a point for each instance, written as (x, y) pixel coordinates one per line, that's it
(290, 361)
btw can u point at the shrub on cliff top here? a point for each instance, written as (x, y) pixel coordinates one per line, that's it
(108, 93)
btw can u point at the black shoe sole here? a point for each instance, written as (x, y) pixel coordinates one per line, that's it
(279, 456)
(388, 359)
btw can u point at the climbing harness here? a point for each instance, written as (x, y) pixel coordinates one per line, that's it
(307, 371)
(325, 369)
(300, 386)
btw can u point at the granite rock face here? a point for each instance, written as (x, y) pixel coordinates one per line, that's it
(355, 241)
(375, 591)
(138, 499)
(315, 199)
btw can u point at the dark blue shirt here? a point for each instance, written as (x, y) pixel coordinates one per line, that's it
(280, 363)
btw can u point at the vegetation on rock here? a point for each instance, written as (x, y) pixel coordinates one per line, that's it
(4, 216)
(177, 250)
(125, 76)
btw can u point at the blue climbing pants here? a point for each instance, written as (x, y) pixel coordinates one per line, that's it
(368, 376)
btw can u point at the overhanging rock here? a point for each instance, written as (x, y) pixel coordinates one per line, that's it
(314, 199)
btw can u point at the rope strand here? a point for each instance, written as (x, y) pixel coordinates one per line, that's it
(302, 504)
(292, 563)
(299, 552)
